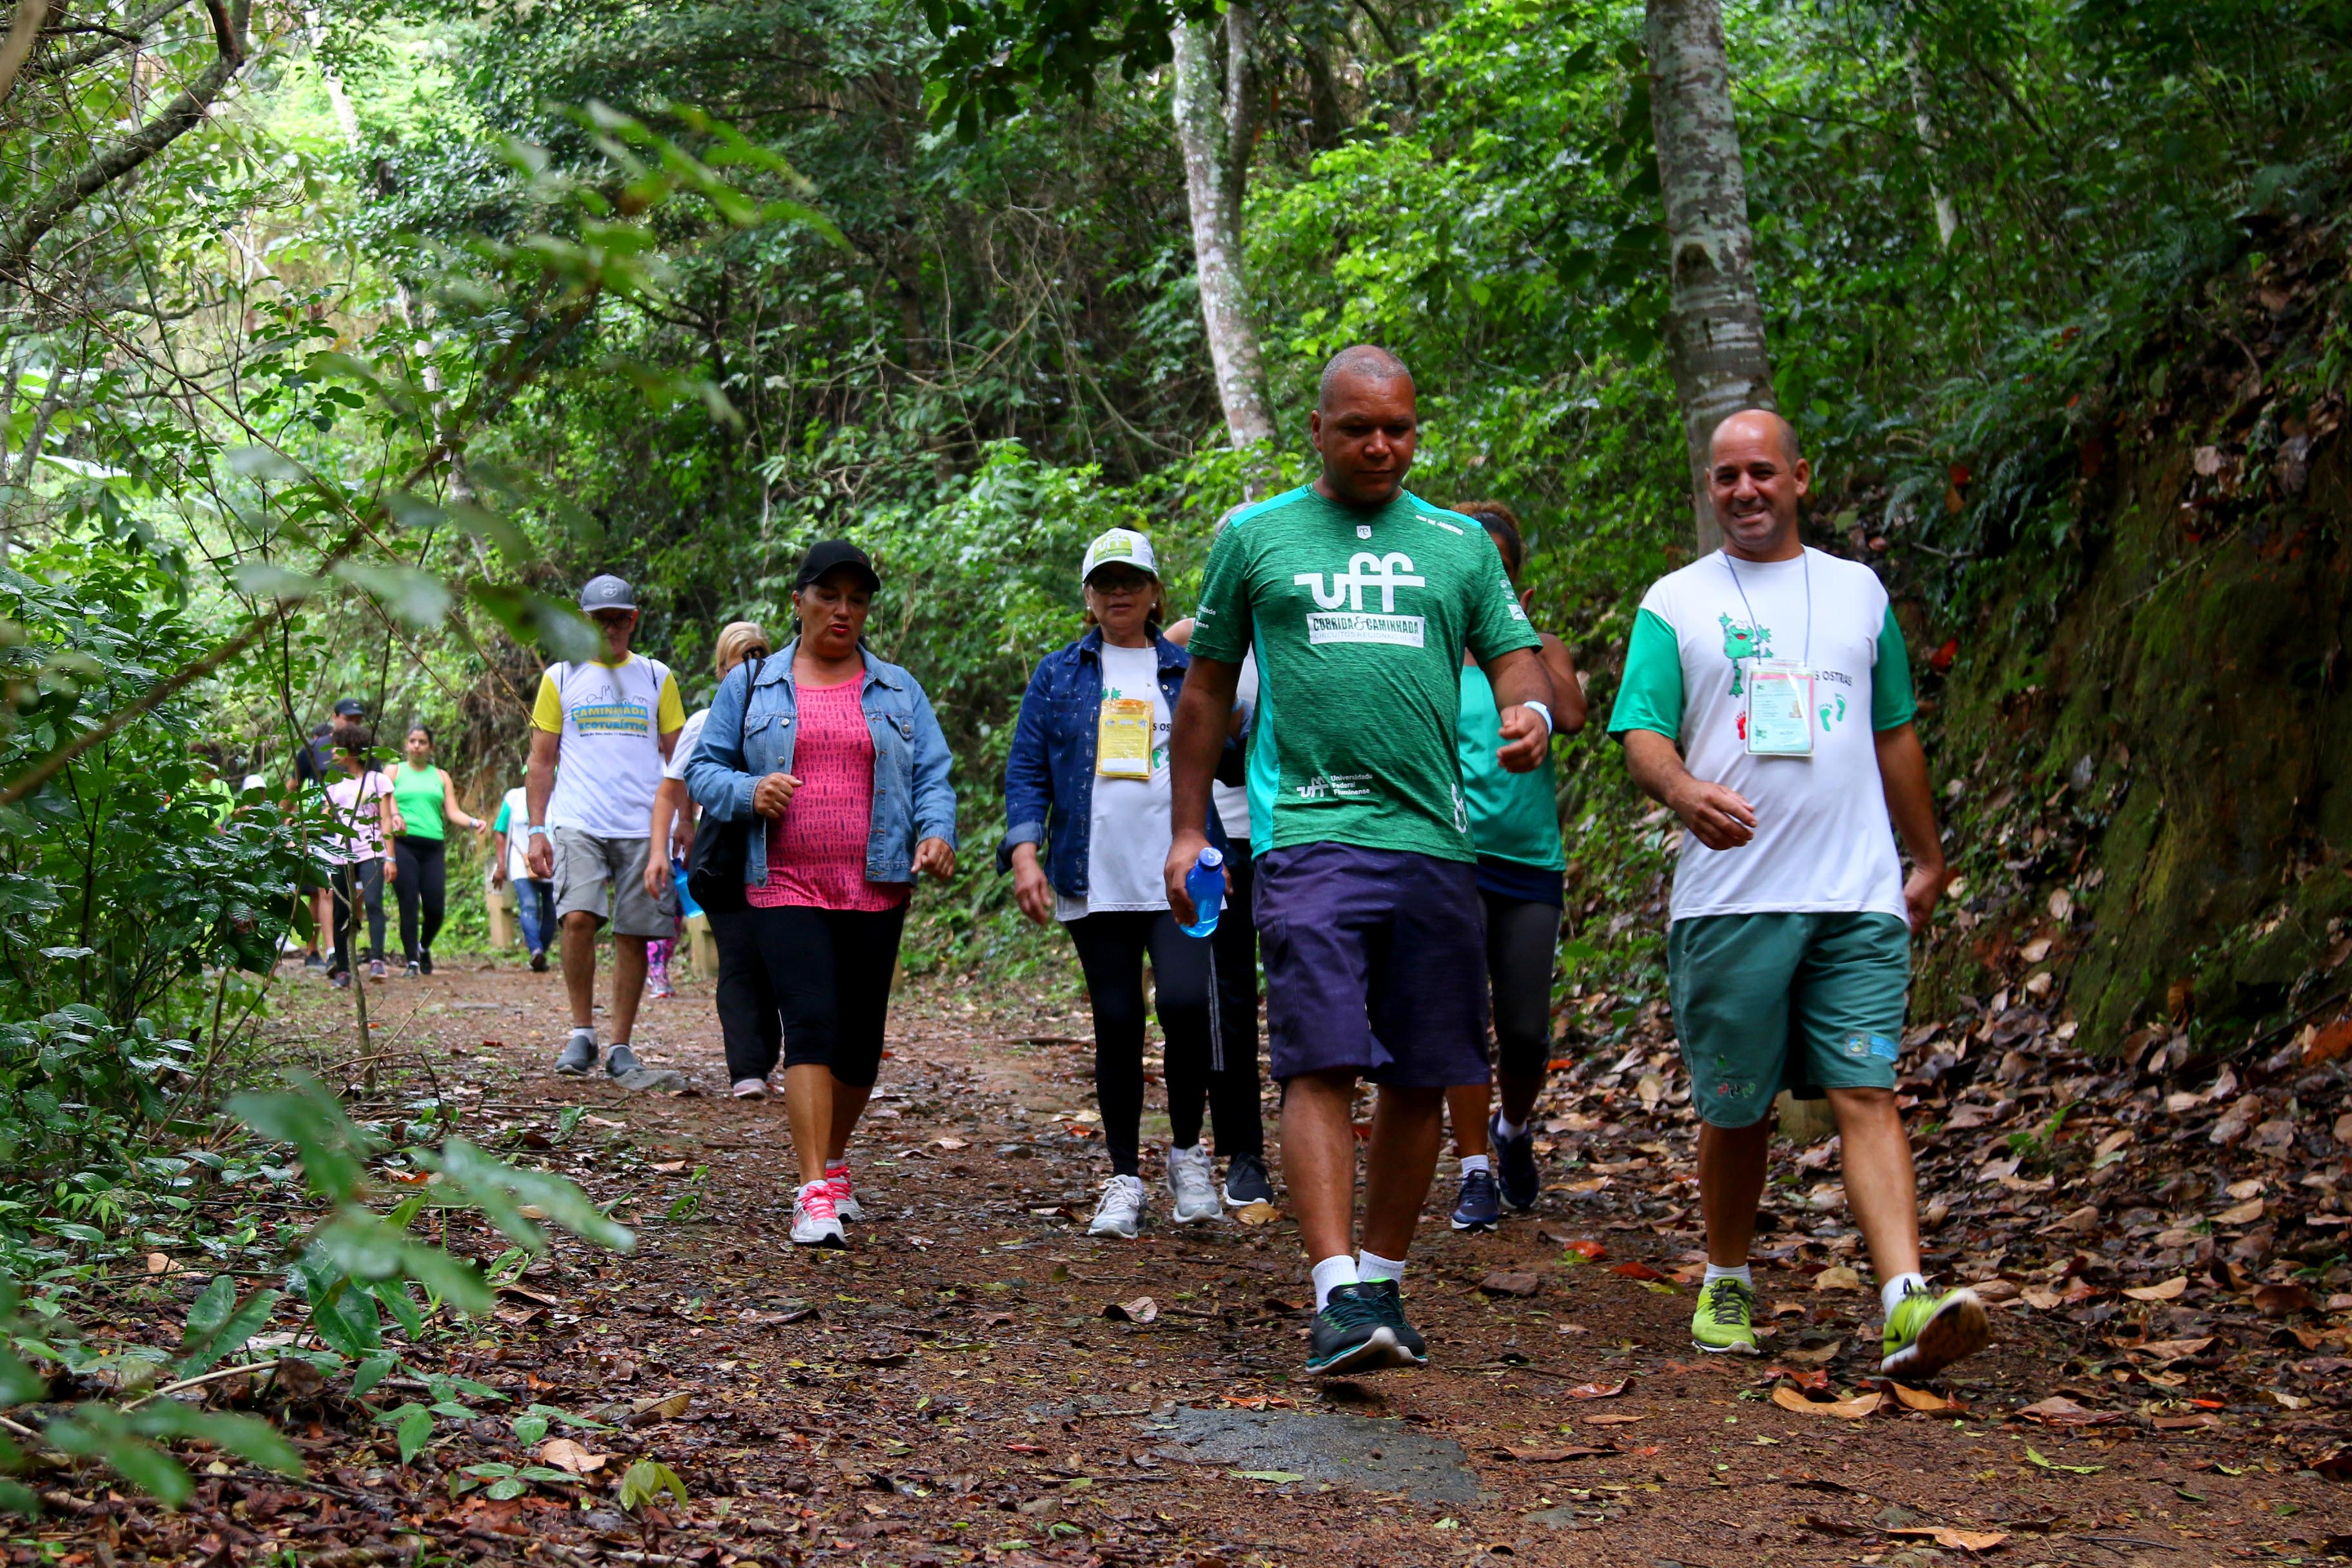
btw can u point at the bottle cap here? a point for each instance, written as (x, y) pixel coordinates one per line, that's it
(1212, 858)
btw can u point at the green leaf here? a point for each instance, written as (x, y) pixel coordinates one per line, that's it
(1278, 1478)
(227, 1336)
(308, 1117)
(2067, 1469)
(248, 1438)
(268, 579)
(509, 1488)
(532, 618)
(372, 1371)
(262, 463)
(412, 1424)
(647, 1479)
(530, 1429)
(413, 597)
(500, 1190)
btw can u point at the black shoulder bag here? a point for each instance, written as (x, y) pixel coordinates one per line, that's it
(714, 872)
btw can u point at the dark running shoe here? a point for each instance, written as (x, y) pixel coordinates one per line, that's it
(1390, 1301)
(539, 962)
(1352, 1334)
(1478, 1208)
(1246, 1181)
(313, 960)
(1515, 1165)
(425, 959)
(579, 1054)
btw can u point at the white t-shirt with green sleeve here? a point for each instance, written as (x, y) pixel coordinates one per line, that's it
(1823, 841)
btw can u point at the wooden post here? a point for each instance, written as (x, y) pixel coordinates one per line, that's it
(702, 946)
(504, 930)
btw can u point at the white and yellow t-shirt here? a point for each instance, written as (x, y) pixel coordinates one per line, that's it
(611, 719)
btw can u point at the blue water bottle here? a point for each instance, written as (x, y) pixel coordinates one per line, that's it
(1206, 883)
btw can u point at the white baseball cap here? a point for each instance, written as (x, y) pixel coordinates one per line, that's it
(1124, 547)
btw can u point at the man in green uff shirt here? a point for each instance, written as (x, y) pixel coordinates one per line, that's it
(1359, 599)
(1767, 700)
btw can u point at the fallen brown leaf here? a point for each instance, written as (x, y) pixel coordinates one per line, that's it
(1854, 1409)
(1554, 1456)
(2060, 1411)
(2171, 1290)
(1837, 1276)
(1926, 1399)
(1258, 1213)
(1610, 1418)
(2282, 1301)
(2243, 1214)
(1142, 1310)
(1500, 1283)
(1599, 1390)
(1636, 1271)
(1963, 1539)
(2173, 1350)
(563, 1454)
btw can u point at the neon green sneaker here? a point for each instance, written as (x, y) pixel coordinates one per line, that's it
(1929, 1331)
(1724, 1323)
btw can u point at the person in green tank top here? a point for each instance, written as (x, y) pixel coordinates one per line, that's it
(425, 799)
(1515, 828)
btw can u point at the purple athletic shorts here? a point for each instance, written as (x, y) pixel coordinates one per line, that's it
(1375, 964)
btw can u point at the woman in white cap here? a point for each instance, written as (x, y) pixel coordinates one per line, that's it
(1088, 783)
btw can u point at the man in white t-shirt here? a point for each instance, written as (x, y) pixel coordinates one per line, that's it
(534, 895)
(600, 733)
(1767, 700)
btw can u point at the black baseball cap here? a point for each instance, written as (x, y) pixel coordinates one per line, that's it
(349, 708)
(831, 556)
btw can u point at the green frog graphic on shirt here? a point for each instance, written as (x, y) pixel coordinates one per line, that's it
(1743, 642)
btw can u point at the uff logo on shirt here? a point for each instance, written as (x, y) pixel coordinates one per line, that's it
(1355, 624)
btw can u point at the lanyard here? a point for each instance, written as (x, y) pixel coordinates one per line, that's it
(1808, 560)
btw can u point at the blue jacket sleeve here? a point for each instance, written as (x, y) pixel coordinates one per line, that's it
(715, 775)
(934, 795)
(1028, 775)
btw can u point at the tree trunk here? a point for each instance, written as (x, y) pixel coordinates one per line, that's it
(1715, 323)
(1213, 122)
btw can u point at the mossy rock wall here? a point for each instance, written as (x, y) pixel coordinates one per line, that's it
(2169, 746)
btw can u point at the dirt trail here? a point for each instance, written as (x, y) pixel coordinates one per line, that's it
(951, 1390)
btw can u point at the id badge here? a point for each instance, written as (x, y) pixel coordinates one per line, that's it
(1779, 709)
(1123, 739)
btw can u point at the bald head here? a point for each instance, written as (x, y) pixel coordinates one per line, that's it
(1363, 362)
(1751, 424)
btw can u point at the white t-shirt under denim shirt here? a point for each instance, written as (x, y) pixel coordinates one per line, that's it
(1824, 842)
(1130, 826)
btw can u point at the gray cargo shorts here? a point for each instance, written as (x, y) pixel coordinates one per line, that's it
(606, 878)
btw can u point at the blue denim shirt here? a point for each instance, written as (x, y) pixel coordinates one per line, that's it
(1049, 778)
(750, 735)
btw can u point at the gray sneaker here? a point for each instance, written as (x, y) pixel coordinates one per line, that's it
(621, 1061)
(579, 1054)
(1194, 1185)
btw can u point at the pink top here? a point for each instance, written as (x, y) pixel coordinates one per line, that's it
(358, 818)
(817, 850)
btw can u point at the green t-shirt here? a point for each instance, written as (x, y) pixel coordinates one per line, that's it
(419, 794)
(1359, 619)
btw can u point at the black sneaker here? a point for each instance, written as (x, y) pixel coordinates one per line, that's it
(411, 971)
(1246, 1181)
(539, 962)
(1352, 1334)
(1392, 1304)
(425, 959)
(1478, 1208)
(314, 960)
(621, 1061)
(1515, 1165)
(579, 1054)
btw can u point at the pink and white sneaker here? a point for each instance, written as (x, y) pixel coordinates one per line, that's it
(750, 1089)
(814, 1223)
(845, 1202)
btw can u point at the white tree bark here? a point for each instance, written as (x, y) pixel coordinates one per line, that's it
(1948, 218)
(1715, 323)
(1212, 130)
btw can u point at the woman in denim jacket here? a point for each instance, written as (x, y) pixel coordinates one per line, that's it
(839, 756)
(1088, 779)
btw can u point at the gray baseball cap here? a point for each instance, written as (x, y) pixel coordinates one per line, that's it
(606, 592)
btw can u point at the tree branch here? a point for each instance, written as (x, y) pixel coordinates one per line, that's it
(182, 114)
(25, 25)
(113, 42)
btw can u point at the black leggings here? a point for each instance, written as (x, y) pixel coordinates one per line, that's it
(423, 882)
(351, 884)
(748, 1019)
(1112, 950)
(830, 972)
(1233, 1086)
(1521, 935)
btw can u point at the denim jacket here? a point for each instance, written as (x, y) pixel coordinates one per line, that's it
(1049, 778)
(750, 735)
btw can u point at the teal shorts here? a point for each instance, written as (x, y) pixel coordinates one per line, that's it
(1800, 1002)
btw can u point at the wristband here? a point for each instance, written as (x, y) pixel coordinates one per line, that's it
(536, 830)
(1543, 709)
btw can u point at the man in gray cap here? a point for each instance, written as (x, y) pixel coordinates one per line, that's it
(600, 733)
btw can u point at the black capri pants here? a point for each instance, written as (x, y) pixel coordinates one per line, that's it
(1522, 934)
(748, 1019)
(830, 972)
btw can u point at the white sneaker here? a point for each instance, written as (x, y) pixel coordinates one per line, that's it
(1120, 1212)
(1194, 1185)
(844, 1201)
(750, 1089)
(814, 1223)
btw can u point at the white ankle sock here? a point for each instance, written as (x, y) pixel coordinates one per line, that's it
(1715, 1272)
(1506, 1128)
(1372, 1265)
(1476, 1162)
(1329, 1274)
(1895, 1289)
